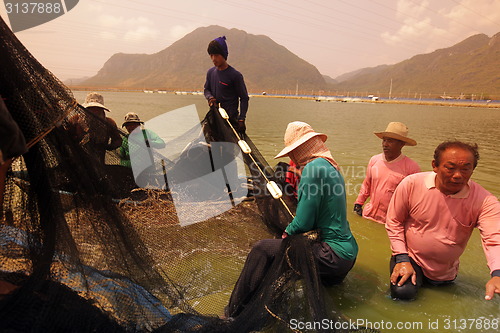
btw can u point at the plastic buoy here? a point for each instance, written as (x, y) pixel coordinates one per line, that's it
(223, 113)
(244, 146)
(273, 188)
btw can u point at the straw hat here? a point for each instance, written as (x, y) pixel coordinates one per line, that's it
(94, 99)
(297, 133)
(398, 131)
(132, 117)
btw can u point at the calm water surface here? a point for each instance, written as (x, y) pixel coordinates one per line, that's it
(350, 127)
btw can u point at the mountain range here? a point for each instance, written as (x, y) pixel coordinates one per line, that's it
(469, 67)
(183, 65)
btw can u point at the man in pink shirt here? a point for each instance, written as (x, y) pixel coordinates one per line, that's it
(384, 172)
(431, 217)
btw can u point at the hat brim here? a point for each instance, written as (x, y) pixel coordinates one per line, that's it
(300, 141)
(86, 105)
(407, 141)
(132, 121)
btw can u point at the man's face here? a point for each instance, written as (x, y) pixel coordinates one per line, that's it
(131, 126)
(97, 111)
(454, 171)
(392, 148)
(218, 60)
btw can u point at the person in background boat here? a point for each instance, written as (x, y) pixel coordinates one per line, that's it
(431, 217)
(12, 144)
(95, 131)
(384, 172)
(321, 206)
(152, 140)
(225, 85)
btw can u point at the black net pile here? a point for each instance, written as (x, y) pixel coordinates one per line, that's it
(84, 248)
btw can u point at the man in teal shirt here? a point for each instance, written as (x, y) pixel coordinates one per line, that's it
(132, 121)
(321, 207)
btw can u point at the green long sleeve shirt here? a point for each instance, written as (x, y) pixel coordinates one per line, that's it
(322, 205)
(154, 142)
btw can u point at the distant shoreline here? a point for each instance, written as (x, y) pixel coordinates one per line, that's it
(457, 103)
(325, 99)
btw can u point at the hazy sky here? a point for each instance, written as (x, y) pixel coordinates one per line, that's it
(337, 36)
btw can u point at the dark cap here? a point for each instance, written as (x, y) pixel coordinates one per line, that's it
(218, 46)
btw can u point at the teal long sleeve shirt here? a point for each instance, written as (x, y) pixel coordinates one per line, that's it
(322, 205)
(154, 142)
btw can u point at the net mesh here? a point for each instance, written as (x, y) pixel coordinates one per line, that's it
(83, 248)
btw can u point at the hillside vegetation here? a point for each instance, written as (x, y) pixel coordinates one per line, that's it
(264, 64)
(469, 69)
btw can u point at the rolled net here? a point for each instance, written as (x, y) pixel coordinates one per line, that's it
(84, 248)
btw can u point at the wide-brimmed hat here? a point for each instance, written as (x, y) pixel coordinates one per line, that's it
(132, 117)
(94, 99)
(297, 133)
(398, 131)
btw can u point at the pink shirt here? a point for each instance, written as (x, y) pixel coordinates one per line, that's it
(434, 228)
(381, 180)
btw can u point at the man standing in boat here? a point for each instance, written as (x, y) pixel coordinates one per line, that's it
(431, 217)
(384, 172)
(225, 85)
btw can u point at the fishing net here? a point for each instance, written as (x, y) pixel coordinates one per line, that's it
(86, 244)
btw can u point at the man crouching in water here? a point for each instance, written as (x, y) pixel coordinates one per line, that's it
(431, 217)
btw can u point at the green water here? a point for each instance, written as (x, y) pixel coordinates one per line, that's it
(350, 126)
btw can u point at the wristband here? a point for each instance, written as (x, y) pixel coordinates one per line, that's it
(403, 257)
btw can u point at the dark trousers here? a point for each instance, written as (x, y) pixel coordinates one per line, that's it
(332, 270)
(408, 290)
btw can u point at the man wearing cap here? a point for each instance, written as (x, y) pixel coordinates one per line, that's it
(152, 140)
(225, 85)
(321, 206)
(384, 172)
(431, 217)
(93, 130)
